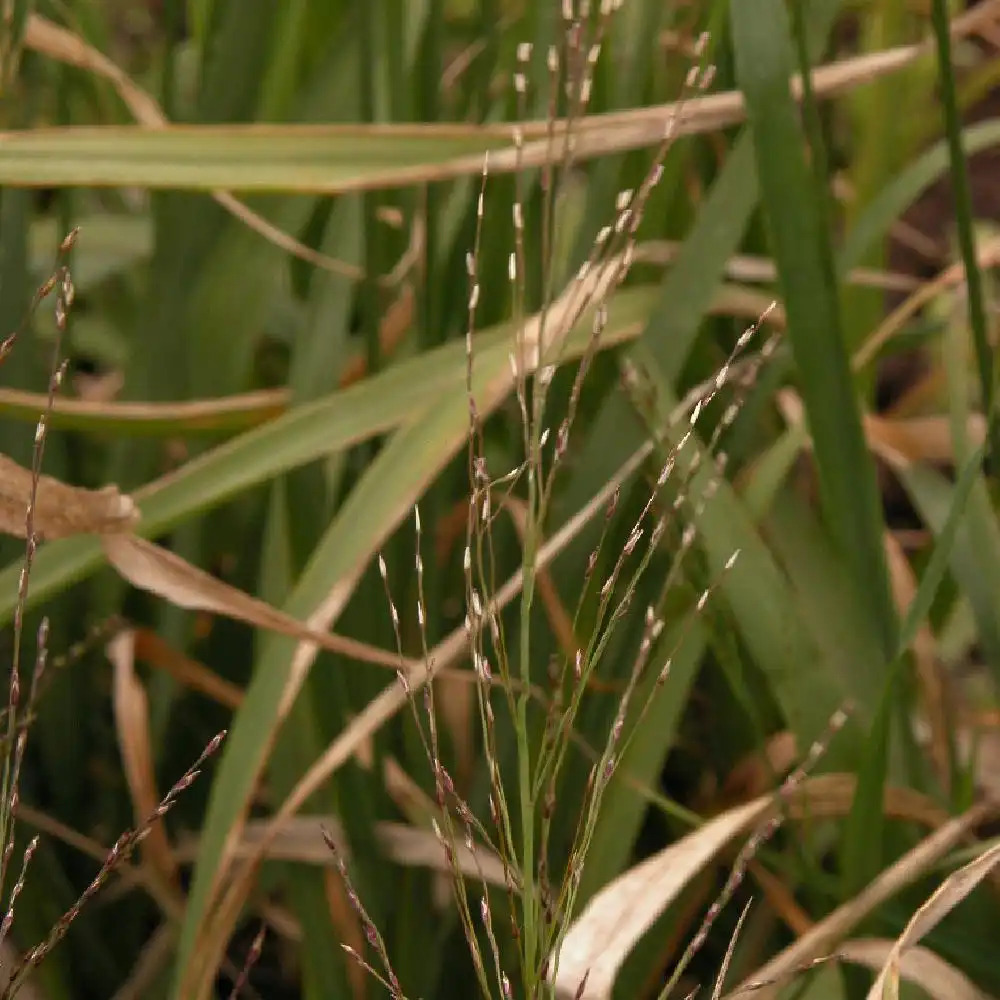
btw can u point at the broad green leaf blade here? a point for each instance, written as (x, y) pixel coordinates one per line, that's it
(287, 158)
(846, 471)
(687, 289)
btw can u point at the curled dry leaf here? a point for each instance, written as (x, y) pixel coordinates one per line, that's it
(60, 510)
(945, 898)
(152, 568)
(933, 974)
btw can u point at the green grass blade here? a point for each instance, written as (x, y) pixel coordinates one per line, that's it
(937, 565)
(963, 206)
(623, 807)
(302, 435)
(773, 628)
(904, 189)
(975, 550)
(264, 158)
(846, 471)
(385, 495)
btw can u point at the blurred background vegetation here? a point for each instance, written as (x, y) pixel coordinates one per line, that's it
(267, 348)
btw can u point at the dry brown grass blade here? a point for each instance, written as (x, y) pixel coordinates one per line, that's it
(616, 132)
(157, 653)
(936, 977)
(706, 114)
(755, 773)
(413, 847)
(455, 702)
(407, 796)
(727, 961)
(152, 568)
(945, 898)
(131, 710)
(617, 917)
(919, 439)
(60, 510)
(347, 927)
(781, 899)
(833, 928)
(56, 42)
(240, 411)
(149, 967)
(128, 874)
(620, 914)
(987, 255)
(898, 440)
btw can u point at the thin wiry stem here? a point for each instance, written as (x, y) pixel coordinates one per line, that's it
(120, 852)
(253, 957)
(62, 283)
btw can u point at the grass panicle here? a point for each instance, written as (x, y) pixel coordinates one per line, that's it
(539, 909)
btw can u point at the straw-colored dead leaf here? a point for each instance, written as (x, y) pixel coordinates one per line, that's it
(60, 510)
(825, 935)
(945, 898)
(152, 568)
(299, 840)
(918, 439)
(936, 977)
(617, 917)
(132, 725)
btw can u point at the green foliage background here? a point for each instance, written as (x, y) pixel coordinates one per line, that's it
(290, 496)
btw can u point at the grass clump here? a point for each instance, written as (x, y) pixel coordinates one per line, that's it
(603, 393)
